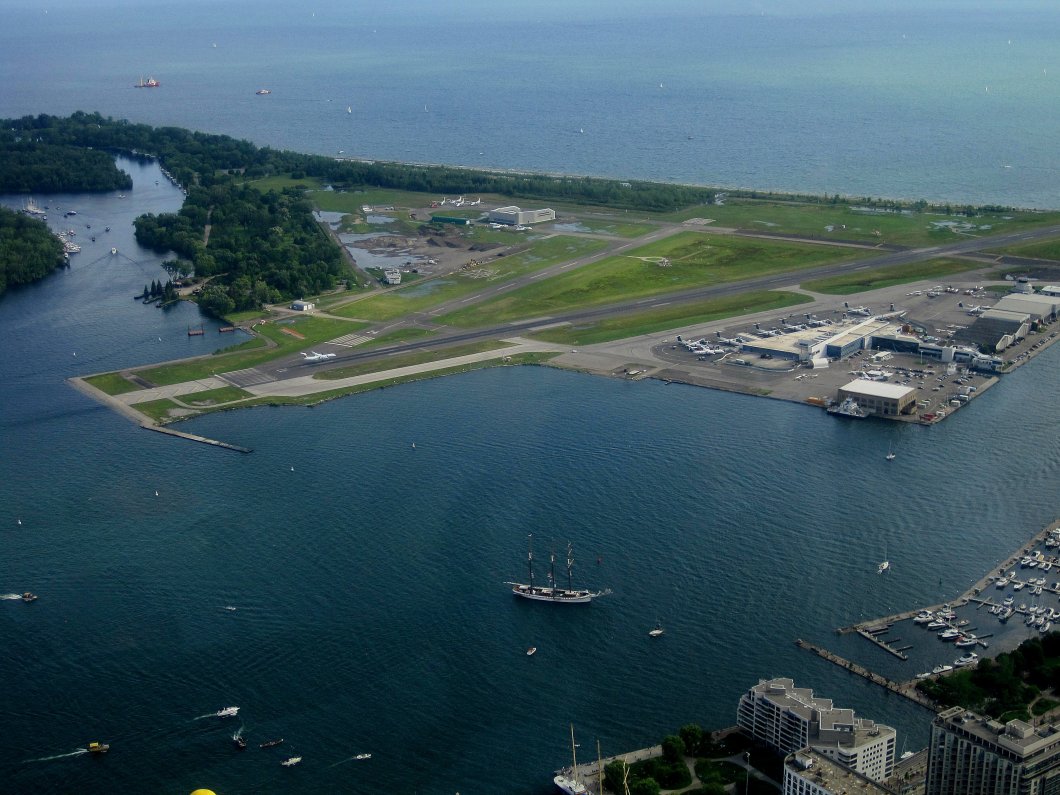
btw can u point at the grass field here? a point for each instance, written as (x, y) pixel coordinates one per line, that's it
(409, 359)
(112, 383)
(541, 254)
(671, 317)
(314, 329)
(1043, 249)
(158, 410)
(279, 183)
(874, 279)
(696, 259)
(210, 397)
(906, 228)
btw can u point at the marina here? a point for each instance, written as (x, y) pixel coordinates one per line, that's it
(950, 627)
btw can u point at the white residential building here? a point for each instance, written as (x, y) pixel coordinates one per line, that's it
(791, 718)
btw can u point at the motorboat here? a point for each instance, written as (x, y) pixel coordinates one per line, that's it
(363, 756)
(883, 567)
(968, 659)
(98, 748)
(657, 631)
(291, 761)
(240, 743)
(1002, 582)
(29, 597)
(531, 651)
(949, 634)
(924, 617)
(1048, 625)
(937, 624)
(941, 669)
(227, 712)
(271, 743)
(966, 641)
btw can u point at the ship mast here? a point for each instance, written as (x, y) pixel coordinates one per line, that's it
(573, 756)
(530, 558)
(570, 562)
(552, 569)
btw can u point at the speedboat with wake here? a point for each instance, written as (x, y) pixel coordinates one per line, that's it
(227, 712)
(291, 761)
(98, 748)
(240, 743)
(271, 743)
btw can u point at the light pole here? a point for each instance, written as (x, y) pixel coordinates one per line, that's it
(747, 773)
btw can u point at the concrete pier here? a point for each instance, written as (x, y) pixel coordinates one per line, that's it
(905, 689)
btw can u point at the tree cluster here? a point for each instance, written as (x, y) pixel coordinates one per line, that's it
(31, 166)
(28, 249)
(1006, 684)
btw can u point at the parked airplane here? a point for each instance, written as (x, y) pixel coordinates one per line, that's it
(313, 356)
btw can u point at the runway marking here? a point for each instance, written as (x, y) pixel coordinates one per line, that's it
(664, 303)
(349, 341)
(251, 376)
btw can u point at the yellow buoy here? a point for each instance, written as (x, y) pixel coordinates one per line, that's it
(204, 792)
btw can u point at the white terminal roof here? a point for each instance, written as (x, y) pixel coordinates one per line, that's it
(879, 389)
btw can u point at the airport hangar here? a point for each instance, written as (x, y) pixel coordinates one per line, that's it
(513, 216)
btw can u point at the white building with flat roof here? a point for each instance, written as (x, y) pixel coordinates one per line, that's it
(807, 772)
(879, 397)
(513, 216)
(791, 718)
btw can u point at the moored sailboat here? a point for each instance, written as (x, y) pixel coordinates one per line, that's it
(570, 784)
(551, 592)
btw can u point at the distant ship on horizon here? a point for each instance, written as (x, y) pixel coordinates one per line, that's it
(149, 83)
(263, 91)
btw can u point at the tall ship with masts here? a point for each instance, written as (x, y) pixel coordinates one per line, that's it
(552, 592)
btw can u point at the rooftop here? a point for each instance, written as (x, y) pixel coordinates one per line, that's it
(1016, 735)
(830, 775)
(877, 389)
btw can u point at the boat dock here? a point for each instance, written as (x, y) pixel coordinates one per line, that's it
(588, 773)
(905, 689)
(876, 630)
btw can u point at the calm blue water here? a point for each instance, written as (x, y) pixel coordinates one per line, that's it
(368, 580)
(854, 98)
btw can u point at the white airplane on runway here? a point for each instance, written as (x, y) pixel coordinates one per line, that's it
(313, 356)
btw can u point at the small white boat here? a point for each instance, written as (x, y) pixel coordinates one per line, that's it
(657, 631)
(291, 761)
(227, 712)
(924, 617)
(531, 651)
(883, 567)
(363, 756)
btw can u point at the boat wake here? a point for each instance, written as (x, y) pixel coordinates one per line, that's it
(10, 596)
(239, 732)
(78, 752)
(350, 759)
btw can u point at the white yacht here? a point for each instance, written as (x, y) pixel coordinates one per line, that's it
(968, 659)
(227, 712)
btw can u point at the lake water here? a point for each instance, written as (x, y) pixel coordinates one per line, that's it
(367, 575)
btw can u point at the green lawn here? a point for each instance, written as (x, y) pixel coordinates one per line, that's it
(874, 279)
(353, 201)
(1042, 249)
(211, 397)
(905, 228)
(409, 359)
(158, 410)
(112, 383)
(398, 335)
(541, 254)
(315, 330)
(670, 317)
(696, 259)
(278, 183)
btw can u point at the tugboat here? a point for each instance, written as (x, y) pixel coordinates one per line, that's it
(29, 597)
(98, 748)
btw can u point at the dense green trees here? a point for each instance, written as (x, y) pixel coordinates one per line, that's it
(1005, 685)
(33, 167)
(28, 249)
